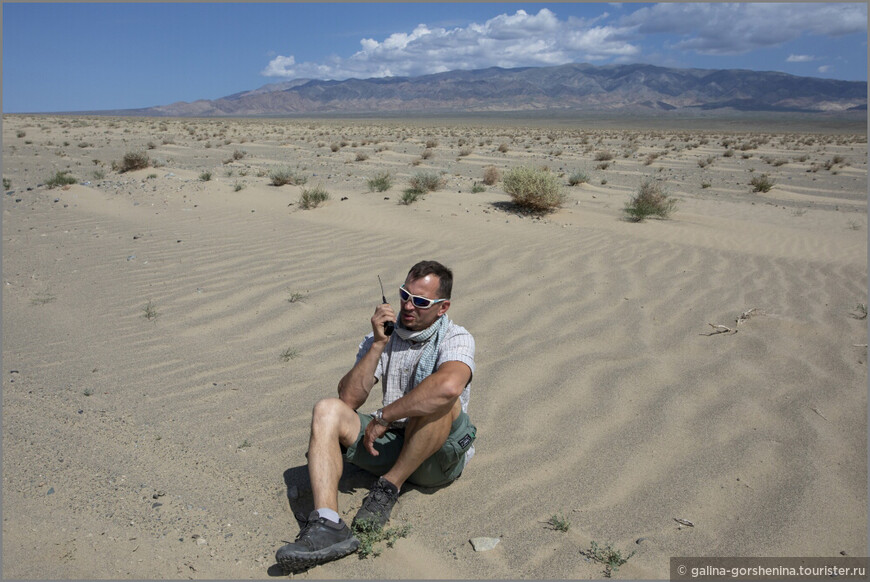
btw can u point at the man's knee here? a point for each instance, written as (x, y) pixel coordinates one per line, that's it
(333, 415)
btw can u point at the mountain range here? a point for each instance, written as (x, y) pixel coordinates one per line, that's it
(633, 88)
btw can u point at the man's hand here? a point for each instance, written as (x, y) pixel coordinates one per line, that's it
(383, 314)
(374, 431)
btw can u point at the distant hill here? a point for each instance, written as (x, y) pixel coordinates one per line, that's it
(634, 88)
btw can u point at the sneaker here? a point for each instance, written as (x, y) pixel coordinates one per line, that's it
(319, 541)
(377, 505)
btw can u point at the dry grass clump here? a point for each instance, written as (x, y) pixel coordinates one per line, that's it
(651, 200)
(578, 177)
(381, 182)
(491, 175)
(762, 183)
(534, 190)
(313, 197)
(426, 182)
(283, 176)
(132, 161)
(61, 178)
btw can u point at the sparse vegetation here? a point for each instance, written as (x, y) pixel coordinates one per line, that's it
(610, 557)
(381, 182)
(288, 354)
(410, 195)
(132, 161)
(762, 183)
(296, 296)
(559, 523)
(282, 176)
(578, 177)
(205, 176)
(370, 534)
(491, 175)
(42, 298)
(651, 200)
(426, 182)
(150, 311)
(313, 197)
(534, 190)
(61, 178)
(7, 183)
(477, 188)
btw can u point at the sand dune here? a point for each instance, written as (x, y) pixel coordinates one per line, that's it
(166, 447)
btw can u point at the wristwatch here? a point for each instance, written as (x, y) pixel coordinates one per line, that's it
(378, 417)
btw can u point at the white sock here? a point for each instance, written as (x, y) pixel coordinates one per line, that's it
(329, 514)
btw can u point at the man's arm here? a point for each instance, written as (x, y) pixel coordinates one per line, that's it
(438, 391)
(354, 387)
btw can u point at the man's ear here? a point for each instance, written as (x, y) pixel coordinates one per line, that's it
(443, 307)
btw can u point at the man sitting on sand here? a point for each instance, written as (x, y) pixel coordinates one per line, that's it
(421, 435)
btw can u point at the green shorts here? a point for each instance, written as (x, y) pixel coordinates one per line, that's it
(442, 468)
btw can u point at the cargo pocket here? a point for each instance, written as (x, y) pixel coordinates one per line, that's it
(452, 455)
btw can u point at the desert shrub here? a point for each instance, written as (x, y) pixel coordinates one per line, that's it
(411, 195)
(283, 176)
(7, 183)
(535, 190)
(651, 200)
(477, 188)
(578, 177)
(466, 151)
(313, 197)
(361, 156)
(491, 175)
(426, 181)
(334, 147)
(762, 183)
(431, 143)
(61, 178)
(426, 154)
(133, 161)
(381, 182)
(603, 156)
(503, 148)
(239, 154)
(205, 176)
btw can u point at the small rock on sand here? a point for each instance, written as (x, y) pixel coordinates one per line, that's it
(484, 544)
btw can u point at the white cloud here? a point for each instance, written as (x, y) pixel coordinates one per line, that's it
(800, 58)
(825, 68)
(737, 28)
(507, 40)
(280, 67)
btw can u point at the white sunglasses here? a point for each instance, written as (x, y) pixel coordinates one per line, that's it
(417, 300)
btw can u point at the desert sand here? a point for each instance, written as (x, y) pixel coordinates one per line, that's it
(166, 336)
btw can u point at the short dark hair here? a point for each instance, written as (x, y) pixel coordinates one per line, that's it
(445, 276)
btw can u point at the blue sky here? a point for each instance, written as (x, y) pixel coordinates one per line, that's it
(92, 56)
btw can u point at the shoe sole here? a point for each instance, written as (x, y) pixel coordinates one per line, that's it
(305, 560)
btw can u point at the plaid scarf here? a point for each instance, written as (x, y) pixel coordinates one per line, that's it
(432, 335)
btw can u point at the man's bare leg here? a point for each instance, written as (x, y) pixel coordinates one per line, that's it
(424, 436)
(333, 423)
(322, 539)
